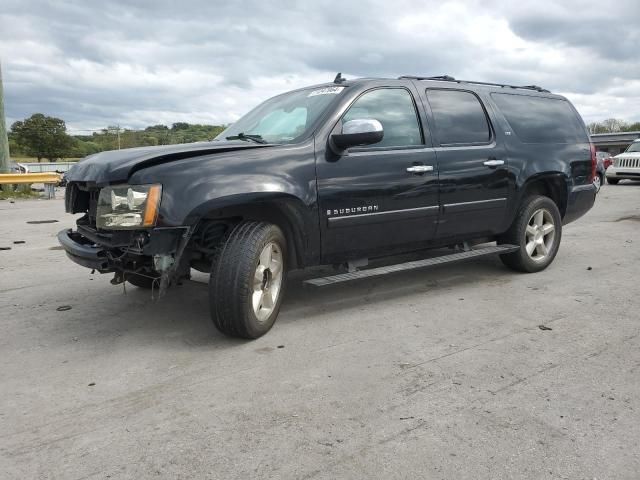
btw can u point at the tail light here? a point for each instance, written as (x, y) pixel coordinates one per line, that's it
(594, 162)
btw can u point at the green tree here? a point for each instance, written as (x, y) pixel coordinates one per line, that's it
(42, 137)
(83, 148)
(14, 148)
(634, 127)
(180, 126)
(161, 132)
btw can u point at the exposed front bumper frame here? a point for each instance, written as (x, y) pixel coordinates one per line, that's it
(108, 252)
(83, 253)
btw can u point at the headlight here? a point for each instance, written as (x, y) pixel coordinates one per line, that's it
(128, 206)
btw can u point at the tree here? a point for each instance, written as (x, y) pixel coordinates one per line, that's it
(180, 126)
(161, 133)
(108, 138)
(42, 137)
(614, 125)
(596, 127)
(84, 148)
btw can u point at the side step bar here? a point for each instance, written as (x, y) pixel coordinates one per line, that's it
(403, 267)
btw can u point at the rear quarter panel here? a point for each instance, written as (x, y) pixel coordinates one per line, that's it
(529, 162)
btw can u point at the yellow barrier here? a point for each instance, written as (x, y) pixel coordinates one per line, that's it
(50, 180)
(16, 178)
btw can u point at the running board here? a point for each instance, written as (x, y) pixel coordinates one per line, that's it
(403, 267)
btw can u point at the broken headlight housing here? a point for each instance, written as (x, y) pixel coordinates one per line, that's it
(125, 207)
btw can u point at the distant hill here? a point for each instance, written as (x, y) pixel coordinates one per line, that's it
(42, 137)
(110, 138)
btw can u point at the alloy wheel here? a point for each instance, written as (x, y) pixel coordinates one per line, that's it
(267, 281)
(540, 235)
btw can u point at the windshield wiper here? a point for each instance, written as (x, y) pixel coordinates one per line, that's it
(247, 137)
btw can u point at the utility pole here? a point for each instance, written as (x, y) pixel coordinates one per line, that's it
(118, 137)
(4, 141)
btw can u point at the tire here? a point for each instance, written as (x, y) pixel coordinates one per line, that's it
(531, 232)
(141, 281)
(598, 181)
(613, 181)
(247, 280)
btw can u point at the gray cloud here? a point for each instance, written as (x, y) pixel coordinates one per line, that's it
(95, 64)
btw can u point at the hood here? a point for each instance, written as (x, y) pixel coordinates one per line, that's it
(628, 155)
(116, 166)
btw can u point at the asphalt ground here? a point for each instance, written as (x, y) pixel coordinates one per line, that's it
(440, 373)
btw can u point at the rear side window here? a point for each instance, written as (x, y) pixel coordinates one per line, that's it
(459, 117)
(394, 109)
(541, 119)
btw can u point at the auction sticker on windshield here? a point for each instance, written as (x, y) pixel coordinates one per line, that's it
(326, 91)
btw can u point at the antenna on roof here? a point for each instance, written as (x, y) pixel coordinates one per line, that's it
(339, 78)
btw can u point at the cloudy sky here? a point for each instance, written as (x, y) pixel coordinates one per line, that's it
(141, 62)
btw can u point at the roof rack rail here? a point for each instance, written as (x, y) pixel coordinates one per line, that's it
(448, 78)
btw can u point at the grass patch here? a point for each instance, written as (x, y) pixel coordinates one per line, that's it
(22, 192)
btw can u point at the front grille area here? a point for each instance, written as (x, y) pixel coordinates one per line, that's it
(70, 194)
(93, 206)
(80, 198)
(627, 162)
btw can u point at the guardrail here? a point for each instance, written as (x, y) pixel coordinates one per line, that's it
(37, 167)
(50, 180)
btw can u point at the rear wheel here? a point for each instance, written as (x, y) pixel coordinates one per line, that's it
(247, 280)
(537, 229)
(613, 181)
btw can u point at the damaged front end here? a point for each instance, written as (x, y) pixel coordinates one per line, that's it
(118, 234)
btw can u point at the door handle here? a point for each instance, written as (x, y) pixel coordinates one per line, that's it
(494, 163)
(420, 169)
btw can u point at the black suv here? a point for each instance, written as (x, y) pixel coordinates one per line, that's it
(337, 174)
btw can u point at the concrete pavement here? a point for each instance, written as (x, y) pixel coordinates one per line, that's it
(441, 373)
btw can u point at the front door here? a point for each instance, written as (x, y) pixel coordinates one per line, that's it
(472, 165)
(382, 196)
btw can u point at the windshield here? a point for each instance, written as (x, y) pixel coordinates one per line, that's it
(634, 147)
(283, 119)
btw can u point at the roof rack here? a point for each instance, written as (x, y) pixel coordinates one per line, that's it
(447, 78)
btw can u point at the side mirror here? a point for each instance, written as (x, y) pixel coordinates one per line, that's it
(362, 131)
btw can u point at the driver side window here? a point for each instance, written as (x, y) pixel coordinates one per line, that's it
(395, 110)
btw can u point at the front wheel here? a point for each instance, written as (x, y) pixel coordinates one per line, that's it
(247, 280)
(537, 229)
(613, 181)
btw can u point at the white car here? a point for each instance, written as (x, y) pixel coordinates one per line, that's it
(625, 165)
(15, 167)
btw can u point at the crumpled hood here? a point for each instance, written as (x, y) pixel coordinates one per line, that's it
(116, 166)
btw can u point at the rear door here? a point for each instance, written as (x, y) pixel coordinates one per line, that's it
(473, 175)
(382, 196)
